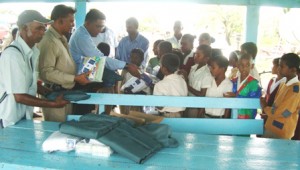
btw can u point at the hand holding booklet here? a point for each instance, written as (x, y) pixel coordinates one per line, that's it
(95, 65)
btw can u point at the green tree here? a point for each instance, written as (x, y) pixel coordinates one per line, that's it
(232, 21)
(227, 19)
(149, 24)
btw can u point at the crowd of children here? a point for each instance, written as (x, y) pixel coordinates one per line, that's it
(184, 72)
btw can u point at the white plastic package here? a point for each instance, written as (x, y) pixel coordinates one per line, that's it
(60, 142)
(135, 85)
(94, 148)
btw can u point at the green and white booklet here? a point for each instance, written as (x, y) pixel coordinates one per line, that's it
(95, 65)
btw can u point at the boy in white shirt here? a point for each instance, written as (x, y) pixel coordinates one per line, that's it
(199, 79)
(172, 84)
(136, 58)
(220, 85)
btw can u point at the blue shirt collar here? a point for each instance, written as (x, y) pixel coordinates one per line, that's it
(136, 39)
(85, 30)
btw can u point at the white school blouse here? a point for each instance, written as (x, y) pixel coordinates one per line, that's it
(218, 91)
(200, 78)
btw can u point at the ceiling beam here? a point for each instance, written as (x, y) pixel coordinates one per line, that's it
(275, 3)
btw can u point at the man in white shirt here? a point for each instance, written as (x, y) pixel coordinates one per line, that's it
(18, 70)
(108, 36)
(175, 40)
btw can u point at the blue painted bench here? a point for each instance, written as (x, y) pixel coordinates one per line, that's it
(189, 125)
(21, 148)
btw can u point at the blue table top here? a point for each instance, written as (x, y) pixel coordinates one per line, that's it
(20, 148)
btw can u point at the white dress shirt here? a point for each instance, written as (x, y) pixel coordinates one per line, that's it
(108, 37)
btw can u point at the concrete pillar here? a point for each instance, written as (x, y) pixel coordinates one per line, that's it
(80, 6)
(252, 22)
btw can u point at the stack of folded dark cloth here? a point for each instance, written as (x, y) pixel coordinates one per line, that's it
(136, 143)
(74, 95)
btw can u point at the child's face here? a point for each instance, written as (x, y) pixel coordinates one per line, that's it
(164, 70)
(245, 67)
(203, 41)
(135, 59)
(275, 69)
(155, 49)
(186, 46)
(232, 61)
(159, 52)
(199, 57)
(283, 69)
(215, 69)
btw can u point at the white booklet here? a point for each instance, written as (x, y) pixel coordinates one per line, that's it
(135, 85)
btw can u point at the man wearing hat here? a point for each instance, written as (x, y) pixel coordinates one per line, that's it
(18, 70)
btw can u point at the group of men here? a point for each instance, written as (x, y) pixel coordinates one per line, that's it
(46, 53)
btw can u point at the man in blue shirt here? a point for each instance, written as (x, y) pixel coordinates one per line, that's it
(81, 44)
(132, 41)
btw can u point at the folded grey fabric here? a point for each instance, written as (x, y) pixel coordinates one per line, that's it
(135, 143)
(69, 95)
(86, 129)
(104, 117)
(160, 132)
(131, 143)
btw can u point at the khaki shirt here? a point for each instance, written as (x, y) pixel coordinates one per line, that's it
(56, 65)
